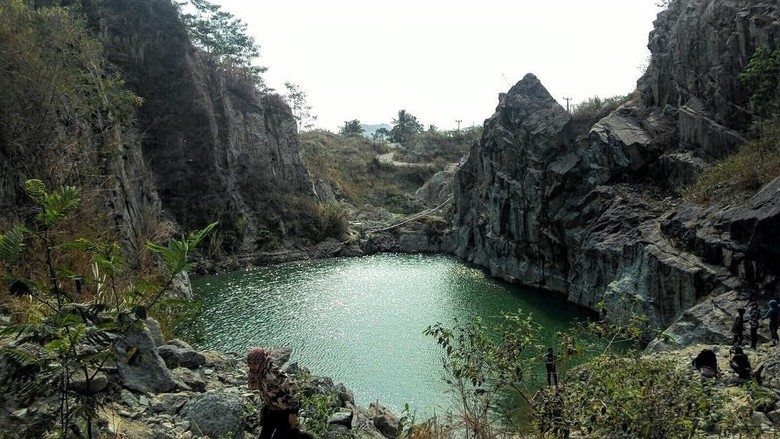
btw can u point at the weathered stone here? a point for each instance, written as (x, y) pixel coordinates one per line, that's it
(140, 366)
(774, 416)
(154, 329)
(337, 431)
(97, 382)
(281, 355)
(176, 356)
(384, 420)
(437, 191)
(345, 395)
(343, 416)
(190, 378)
(169, 403)
(215, 414)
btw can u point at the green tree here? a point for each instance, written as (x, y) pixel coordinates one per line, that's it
(405, 127)
(351, 128)
(762, 79)
(222, 35)
(300, 107)
(481, 364)
(380, 135)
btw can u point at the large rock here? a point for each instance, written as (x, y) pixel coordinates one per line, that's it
(211, 139)
(140, 366)
(216, 415)
(593, 212)
(175, 356)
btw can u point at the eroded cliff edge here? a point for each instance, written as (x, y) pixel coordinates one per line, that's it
(594, 211)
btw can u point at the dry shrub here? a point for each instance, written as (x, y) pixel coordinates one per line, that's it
(756, 164)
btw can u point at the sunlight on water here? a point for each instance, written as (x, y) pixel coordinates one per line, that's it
(360, 320)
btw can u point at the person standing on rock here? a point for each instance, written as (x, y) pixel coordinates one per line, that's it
(549, 363)
(280, 394)
(754, 315)
(738, 327)
(773, 314)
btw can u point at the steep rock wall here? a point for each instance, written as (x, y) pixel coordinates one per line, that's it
(217, 148)
(64, 122)
(587, 214)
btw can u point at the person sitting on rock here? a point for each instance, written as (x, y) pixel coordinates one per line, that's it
(740, 363)
(707, 363)
(280, 394)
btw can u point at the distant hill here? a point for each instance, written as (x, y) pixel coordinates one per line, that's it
(368, 130)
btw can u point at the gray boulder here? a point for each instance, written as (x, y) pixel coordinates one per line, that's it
(176, 356)
(168, 403)
(384, 420)
(154, 329)
(216, 415)
(190, 378)
(97, 382)
(140, 366)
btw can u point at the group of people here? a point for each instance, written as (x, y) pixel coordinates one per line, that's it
(707, 363)
(754, 319)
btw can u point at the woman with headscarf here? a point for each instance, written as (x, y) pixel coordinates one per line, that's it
(280, 394)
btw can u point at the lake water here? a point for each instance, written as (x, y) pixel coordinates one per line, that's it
(361, 320)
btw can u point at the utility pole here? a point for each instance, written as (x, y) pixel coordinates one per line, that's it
(458, 121)
(567, 104)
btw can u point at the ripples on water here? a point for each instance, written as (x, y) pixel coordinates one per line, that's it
(360, 320)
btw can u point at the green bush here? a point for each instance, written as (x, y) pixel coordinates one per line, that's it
(762, 79)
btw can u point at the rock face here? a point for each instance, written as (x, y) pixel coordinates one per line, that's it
(218, 149)
(591, 211)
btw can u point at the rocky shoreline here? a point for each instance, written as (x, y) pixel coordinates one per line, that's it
(168, 390)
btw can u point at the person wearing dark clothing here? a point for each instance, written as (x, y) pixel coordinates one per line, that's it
(740, 363)
(707, 363)
(754, 315)
(280, 394)
(738, 327)
(549, 363)
(773, 314)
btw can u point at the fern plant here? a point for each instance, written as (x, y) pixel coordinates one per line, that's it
(83, 314)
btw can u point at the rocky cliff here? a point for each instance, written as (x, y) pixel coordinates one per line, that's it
(218, 149)
(67, 121)
(593, 212)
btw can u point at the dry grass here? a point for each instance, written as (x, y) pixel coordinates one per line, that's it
(756, 164)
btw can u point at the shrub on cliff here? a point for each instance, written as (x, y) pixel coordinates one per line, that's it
(761, 78)
(755, 164)
(595, 108)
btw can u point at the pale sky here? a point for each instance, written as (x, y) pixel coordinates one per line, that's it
(444, 60)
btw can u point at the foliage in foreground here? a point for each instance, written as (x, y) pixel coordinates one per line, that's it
(75, 317)
(610, 394)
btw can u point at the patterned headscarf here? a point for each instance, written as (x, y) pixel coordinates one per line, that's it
(257, 356)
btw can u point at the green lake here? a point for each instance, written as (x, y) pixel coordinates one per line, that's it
(361, 320)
